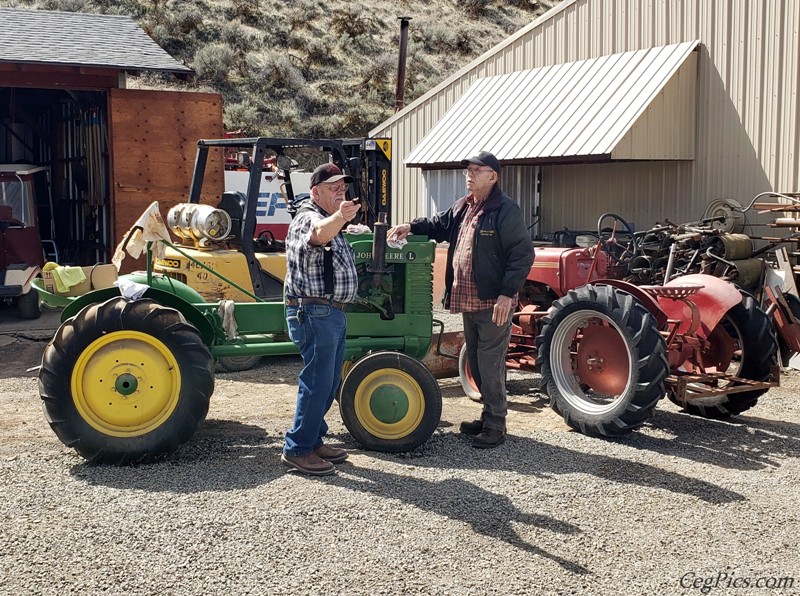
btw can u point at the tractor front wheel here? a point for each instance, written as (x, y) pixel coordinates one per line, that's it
(238, 363)
(743, 344)
(468, 383)
(390, 402)
(126, 382)
(602, 360)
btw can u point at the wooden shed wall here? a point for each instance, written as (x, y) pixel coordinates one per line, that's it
(154, 138)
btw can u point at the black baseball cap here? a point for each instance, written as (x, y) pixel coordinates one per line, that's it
(484, 158)
(328, 172)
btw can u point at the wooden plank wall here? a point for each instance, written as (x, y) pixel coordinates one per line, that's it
(153, 139)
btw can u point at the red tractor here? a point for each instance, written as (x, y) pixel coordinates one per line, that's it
(609, 350)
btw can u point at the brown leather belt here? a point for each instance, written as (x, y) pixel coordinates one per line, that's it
(323, 301)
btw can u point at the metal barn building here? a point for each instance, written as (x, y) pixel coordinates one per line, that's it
(649, 109)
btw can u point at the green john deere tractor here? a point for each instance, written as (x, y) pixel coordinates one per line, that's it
(128, 380)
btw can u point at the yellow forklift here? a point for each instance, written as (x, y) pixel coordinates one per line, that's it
(224, 239)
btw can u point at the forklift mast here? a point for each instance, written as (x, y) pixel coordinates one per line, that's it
(368, 161)
(375, 178)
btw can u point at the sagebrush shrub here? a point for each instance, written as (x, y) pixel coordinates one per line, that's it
(277, 71)
(242, 116)
(214, 62)
(67, 5)
(352, 21)
(247, 11)
(319, 53)
(475, 8)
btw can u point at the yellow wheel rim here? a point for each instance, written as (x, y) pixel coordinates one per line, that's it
(346, 366)
(126, 384)
(389, 404)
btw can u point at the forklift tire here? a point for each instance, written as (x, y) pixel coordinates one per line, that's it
(126, 382)
(602, 360)
(390, 402)
(465, 376)
(752, 329)
(238, 363)
(29, 305)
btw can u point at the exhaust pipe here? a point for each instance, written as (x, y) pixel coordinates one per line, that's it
(401, 65)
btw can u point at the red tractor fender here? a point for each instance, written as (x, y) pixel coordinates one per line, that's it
(714, 298)
(642, 296)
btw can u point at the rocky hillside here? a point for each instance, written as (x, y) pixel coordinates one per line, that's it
(324, 68)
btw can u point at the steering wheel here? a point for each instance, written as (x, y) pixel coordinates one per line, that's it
(608, 237)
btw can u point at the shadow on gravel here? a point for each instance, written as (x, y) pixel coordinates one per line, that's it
(740, 443)
(223, 455)
(523, 455)
(487, 513)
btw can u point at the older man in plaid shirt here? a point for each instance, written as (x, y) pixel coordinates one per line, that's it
(320, 279)
(488, 260)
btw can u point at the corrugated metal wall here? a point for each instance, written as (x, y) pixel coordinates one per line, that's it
(748, 127)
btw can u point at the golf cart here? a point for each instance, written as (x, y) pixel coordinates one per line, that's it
(21, 253)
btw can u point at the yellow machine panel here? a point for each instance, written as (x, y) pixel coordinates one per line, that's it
(227, 262)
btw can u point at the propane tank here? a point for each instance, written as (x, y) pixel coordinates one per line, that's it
(199, 224)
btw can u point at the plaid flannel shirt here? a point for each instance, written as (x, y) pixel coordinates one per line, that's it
(304, 262)
(464, 297)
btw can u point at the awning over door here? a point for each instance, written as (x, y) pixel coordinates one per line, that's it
(632, 106)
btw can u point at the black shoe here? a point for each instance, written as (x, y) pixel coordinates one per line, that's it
(471, 428)
(488, 438)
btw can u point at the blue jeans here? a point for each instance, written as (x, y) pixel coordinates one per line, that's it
(319, 331)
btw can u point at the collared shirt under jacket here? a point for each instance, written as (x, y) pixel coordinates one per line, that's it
(304, 262)
(502, 252)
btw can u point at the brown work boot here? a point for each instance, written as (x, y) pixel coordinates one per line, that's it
(488, 438)
(331, 454)
(471, 428)
(311, 464)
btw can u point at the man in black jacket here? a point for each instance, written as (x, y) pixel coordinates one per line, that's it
(488, 260)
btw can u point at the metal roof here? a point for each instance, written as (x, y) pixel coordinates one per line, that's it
(79, 39)
(563, 112)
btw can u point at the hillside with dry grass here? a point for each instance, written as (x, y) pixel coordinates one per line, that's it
(312, 67)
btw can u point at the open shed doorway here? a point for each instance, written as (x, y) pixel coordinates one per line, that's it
(66, 131)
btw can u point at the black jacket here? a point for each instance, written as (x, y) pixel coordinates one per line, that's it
(502, 252)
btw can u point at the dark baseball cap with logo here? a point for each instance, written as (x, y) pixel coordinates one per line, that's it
(484, 158)
(328, 172)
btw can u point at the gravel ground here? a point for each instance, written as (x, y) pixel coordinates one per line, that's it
(682, 500)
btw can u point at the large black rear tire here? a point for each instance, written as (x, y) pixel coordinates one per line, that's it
(390, 402)
(602, 360)
(126, 382)
(755, 355)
